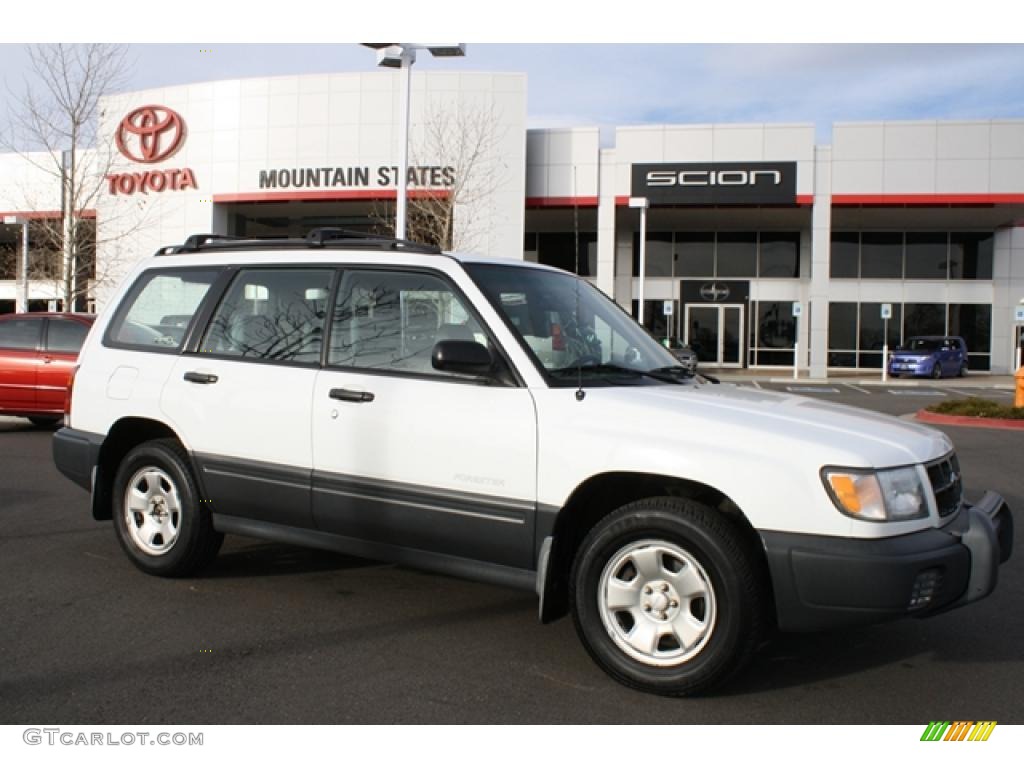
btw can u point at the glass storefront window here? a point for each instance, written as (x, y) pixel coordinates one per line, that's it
(658, 255)
(927, 256)
(881, 255)
(779, 255)
(924, 320)
(871, 333)
(855, 331)
(736, 254)
(557, 249)
(695, 253)
(844, 260)
(660, 325)
(970, 255)
(974, 323)
(842, 325)
(776, 326)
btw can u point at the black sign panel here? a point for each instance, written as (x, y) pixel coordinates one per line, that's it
(714, 291)
(716, 183)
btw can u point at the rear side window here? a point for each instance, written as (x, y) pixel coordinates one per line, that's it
(157, 311)
(65, 335)
(20, 332)
(273, 315)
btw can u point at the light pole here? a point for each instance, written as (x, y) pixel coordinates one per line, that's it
(643, 204)
(403, 56)
(21, 268)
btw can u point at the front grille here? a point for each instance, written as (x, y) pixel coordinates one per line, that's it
(947, 485)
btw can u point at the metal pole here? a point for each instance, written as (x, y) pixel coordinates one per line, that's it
(1018, 330)
(408, 57)
(796, 349)
(643, 263)
(885, 350)
(23, 283)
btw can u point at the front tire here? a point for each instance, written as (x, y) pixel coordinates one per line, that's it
(160, 522)
(668, 596)
(937, 371)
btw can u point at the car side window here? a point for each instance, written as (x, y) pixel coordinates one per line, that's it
(159, 295)
(391, 321)
(20, 332)
(272, 314)
(65, 335)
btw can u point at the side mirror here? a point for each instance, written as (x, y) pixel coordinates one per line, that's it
(459, 356)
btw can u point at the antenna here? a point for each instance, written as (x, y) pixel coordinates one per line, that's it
(580, 394)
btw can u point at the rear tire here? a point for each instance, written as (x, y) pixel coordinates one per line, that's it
(668, 596)
(936, 371)
(160, 522)
(963, 371)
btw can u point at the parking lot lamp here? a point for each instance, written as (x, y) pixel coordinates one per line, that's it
(403, 56)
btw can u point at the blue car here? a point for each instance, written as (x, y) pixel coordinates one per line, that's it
(934, 356)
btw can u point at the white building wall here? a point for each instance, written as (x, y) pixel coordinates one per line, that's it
(238, 128)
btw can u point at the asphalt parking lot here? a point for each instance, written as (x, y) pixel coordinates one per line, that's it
(279, 634)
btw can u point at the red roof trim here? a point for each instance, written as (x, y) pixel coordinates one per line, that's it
(88, 213)
(622, 201)
(929, 199)
(561, 202)
(314, 195)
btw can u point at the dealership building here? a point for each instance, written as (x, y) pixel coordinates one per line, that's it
(761, 243)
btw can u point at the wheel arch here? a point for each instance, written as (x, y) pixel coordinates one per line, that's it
(123, 436)
(562, 530)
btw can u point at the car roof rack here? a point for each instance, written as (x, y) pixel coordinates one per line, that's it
(321, 237)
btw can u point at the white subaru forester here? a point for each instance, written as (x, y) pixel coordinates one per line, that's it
(506, 422)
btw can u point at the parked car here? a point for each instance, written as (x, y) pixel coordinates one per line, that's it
(685, 355)
(508, 422)
(38, 351)
(934, 356)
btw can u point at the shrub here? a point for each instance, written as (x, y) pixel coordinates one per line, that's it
(977, 407)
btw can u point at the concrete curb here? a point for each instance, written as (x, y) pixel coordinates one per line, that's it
(968, 421)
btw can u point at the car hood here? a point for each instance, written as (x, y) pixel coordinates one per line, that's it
(826, 432)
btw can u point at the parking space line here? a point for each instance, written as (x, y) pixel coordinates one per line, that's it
(859, 389)
(756, 385)
(816, 390)
(918, 392)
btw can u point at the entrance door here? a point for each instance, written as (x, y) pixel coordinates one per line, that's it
(715, 332)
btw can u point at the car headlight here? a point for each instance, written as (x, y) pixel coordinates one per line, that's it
(883, 495)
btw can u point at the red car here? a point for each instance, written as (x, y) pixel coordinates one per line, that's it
(38, 352)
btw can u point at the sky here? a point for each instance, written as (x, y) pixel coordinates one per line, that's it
(955, 61)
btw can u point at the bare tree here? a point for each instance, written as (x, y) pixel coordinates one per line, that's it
(54, 125)
(463, 142)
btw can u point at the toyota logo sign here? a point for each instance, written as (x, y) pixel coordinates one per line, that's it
(150, 134)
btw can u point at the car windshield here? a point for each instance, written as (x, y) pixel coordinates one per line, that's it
(570, 326)
(920, 345)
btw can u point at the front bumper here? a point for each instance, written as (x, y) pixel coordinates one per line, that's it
(911, 367)
(821, 582)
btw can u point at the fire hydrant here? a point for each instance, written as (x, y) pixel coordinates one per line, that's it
(1018, 396)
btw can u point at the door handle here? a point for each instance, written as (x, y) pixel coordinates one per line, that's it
(200, 378)
(351, 396)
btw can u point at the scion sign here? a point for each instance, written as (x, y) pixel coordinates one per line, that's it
(716, 183)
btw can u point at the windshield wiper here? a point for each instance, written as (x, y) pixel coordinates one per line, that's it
(673, 370)
(668, 374)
